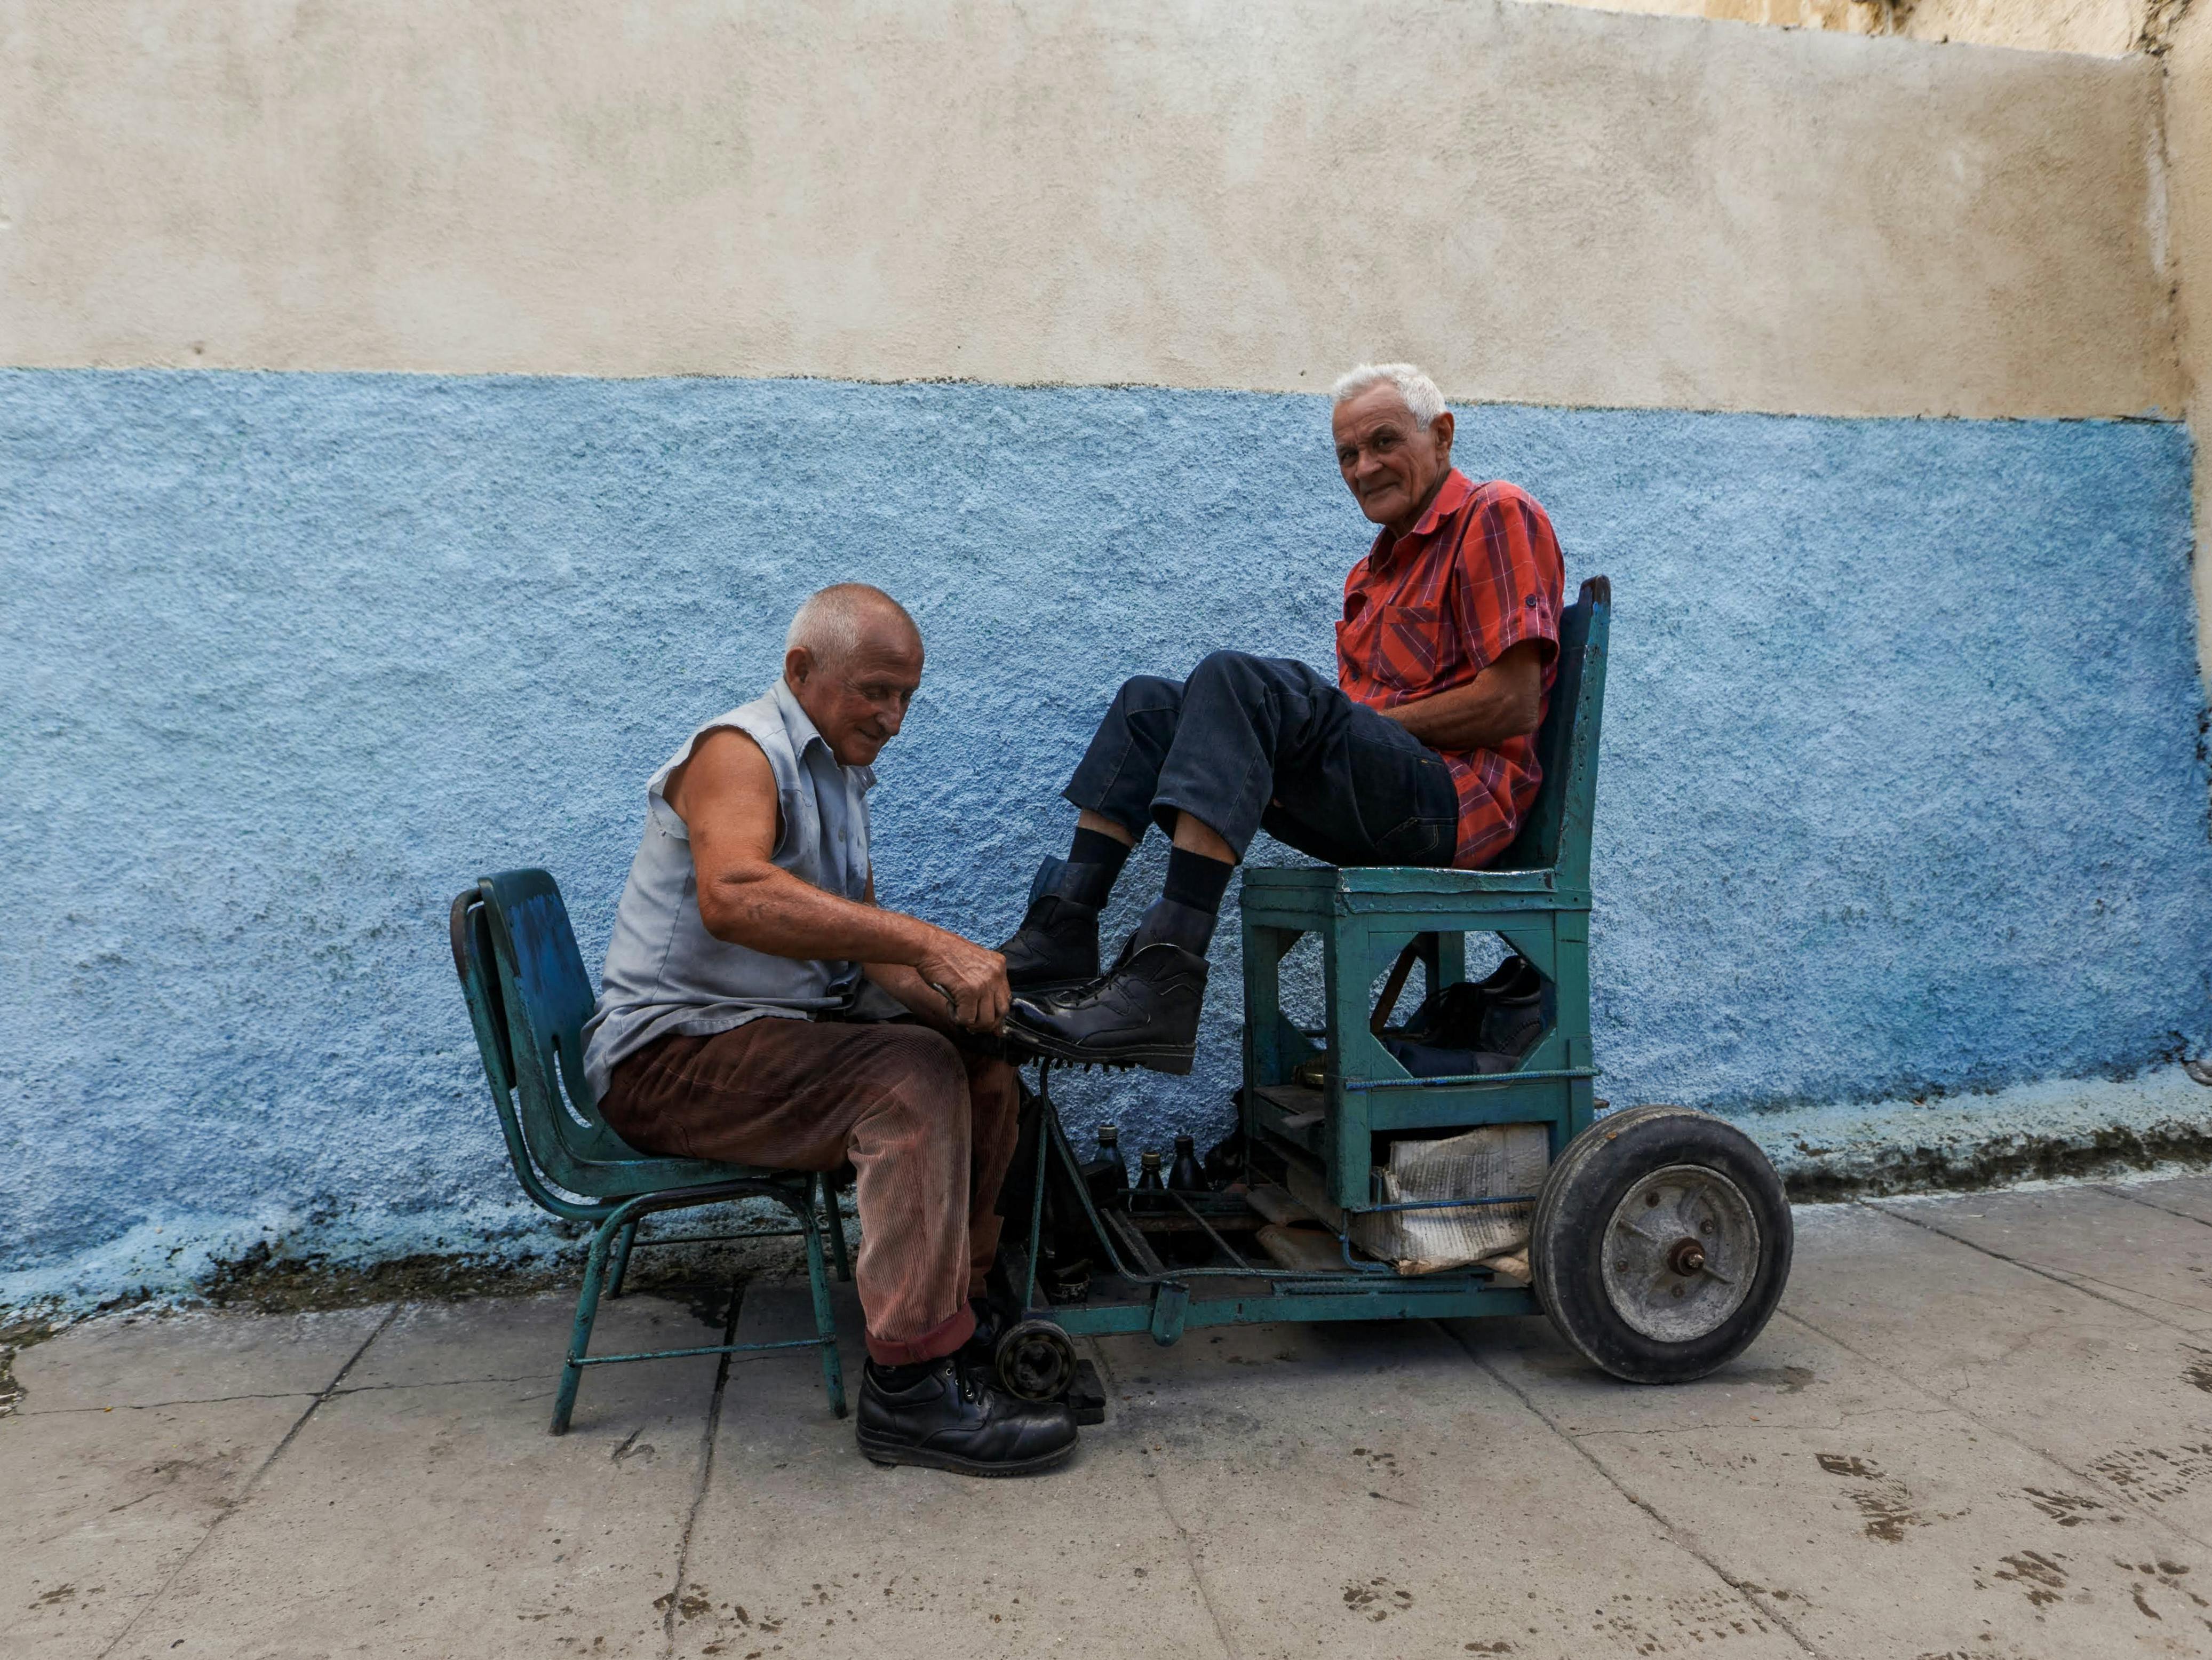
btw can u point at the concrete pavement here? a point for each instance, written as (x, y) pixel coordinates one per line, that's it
(1980, 1426)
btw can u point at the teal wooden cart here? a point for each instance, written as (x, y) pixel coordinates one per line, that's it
(1661, 1239)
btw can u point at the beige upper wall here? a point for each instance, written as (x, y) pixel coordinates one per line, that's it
(2108, 29)
(2188, 71)
(2188, 114)
(1546, 203)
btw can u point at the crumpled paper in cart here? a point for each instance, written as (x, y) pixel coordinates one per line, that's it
(1492, 1162)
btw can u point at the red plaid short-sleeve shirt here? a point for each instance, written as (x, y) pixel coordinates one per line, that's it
(1428, 612)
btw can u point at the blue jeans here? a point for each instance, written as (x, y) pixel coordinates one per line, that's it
(1250, 744)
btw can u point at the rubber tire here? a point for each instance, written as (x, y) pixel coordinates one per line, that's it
(1567, 1239)
(1036, 1361)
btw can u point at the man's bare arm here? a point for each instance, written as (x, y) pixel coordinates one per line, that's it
(907, 986)
(726, 795)
(1504, 700)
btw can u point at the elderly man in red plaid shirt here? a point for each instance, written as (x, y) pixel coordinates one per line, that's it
(1422, 752)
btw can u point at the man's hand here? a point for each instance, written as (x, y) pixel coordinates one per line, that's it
(969, 978)
(726, 795)
(1506, 700)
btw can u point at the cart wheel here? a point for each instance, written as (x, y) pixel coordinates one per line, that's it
(1661, 1243)
(1036, 1360)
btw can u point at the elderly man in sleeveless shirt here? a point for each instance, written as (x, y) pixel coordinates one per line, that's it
(759, 1007)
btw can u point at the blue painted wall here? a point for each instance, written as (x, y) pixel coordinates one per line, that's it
(1902, 785)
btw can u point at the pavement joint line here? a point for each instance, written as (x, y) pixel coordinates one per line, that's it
(1182, 1534)
(1673, 1534)
(441, 1383)
(155, 1406)
(1767, 1429)
(252, 1481)
(2119, 1192)
(2003, 1434)
(2087, 1280)
(2055, 1278)
(706, 1474)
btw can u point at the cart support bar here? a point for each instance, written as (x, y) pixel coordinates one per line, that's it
(1170, 1301)
(1467, 1080)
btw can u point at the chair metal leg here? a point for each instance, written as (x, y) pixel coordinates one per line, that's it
(838, 1247)
(620, 1269)
(825, 1319)
(587, 1311)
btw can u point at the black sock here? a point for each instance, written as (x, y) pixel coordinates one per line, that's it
(1093, 862)
(1189, 904)
(902, 1377)
(1195, 880)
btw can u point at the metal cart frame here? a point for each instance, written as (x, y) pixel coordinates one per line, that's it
(1537, 900)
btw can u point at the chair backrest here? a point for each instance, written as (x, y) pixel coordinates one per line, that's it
(529, 997)
(471, 929)
(474, 960)
(1556, 834)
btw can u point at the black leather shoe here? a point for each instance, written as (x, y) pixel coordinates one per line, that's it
(1500, 1016)
(1144, 1014)
(1513, 1014)
(1055, 950)
(953, 1419)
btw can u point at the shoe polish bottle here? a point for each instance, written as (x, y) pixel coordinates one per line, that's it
(1184, 1176)
(1105, 1173)
(1152, 1191)
(1109, 1152)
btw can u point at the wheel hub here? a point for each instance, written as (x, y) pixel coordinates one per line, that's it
(1035, 1361)
(1681, 1252)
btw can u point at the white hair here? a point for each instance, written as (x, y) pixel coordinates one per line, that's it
(1412, 383)
(830, 623)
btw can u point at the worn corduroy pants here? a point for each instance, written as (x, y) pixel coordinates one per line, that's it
(929, 1129)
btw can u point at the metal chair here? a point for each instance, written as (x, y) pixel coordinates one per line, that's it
(529, 997)
(1536, 897)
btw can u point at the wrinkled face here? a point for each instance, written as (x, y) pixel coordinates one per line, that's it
(1391, 466)
(858, 701)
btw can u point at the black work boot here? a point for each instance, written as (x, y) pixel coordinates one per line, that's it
(1144, 1014)
(1055, 950)
(950, 1417)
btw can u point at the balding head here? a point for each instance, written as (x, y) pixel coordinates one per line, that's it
(852, 658)
(830, 624)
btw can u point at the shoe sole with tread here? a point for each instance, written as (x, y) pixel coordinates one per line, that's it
(888, 1456)
(1175, 1059)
